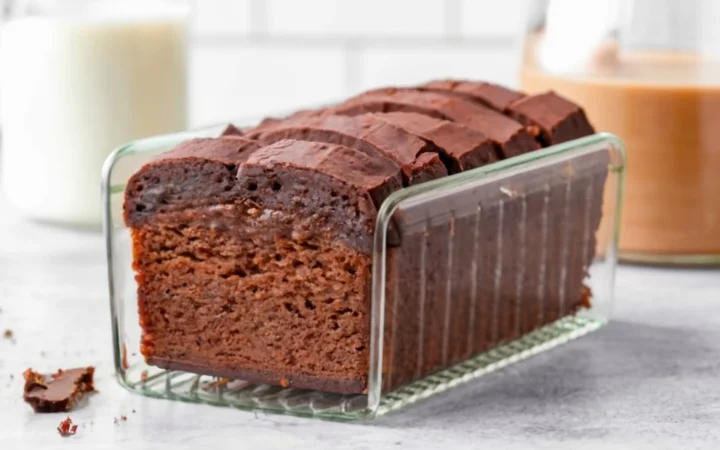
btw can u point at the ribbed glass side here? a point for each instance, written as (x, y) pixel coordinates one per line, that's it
(470, 273)
(488, 258)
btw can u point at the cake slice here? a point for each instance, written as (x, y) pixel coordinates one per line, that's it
(508, 135)
(550, 118)
(198, 172)
(365, 133)
(491, 95)
(261, 270)
(464, 147)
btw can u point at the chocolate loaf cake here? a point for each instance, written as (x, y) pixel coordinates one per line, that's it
(253, 251)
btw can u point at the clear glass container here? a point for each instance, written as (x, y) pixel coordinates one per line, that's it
(506, 239)
(79, 78)
(647, 71)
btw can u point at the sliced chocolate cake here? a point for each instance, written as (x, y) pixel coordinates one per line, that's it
(253, 251)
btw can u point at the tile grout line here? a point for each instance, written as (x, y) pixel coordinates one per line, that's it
(452, 18)
(498, 42)
(259, 23)
(353, 69)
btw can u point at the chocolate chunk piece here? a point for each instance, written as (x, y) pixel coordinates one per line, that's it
(492, 95)
(510, 137)
(58, 393)
(551, 118)
(366, 133)
(465, 148)
(195, 173)
(426, 167)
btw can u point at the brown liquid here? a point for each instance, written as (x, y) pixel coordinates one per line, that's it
(670, 124)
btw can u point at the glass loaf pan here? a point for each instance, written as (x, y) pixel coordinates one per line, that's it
(477, 278)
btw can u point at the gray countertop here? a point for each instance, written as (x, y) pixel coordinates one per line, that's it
(650, 379)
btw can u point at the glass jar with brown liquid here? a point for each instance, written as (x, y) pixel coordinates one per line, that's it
(649, 72)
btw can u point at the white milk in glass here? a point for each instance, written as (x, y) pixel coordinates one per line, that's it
(75, 85)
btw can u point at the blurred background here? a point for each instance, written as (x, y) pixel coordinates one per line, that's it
(81, 77)
(243, 50)
(91, 75)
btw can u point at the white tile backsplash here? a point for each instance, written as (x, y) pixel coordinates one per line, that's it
(493, 18)
(371, 18)
(255, 57)
(414, 65)
(230, 83)
(222, 16)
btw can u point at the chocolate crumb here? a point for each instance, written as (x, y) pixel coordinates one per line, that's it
(122, 418)
(66, 428)
(8, 334)
(585, 302)
(124, 361)
(217, 383)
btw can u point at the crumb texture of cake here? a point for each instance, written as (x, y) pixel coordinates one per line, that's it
(253, 251)
(59, 392)
(220, 295)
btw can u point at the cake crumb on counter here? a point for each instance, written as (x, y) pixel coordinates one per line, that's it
(67, 428)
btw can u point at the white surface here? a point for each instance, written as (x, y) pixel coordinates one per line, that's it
(74, 88)
(418, 65)
(288, 77)
(648, 380)
(492, 18)
(222, 17)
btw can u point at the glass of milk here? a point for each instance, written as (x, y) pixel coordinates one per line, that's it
(79, 78)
